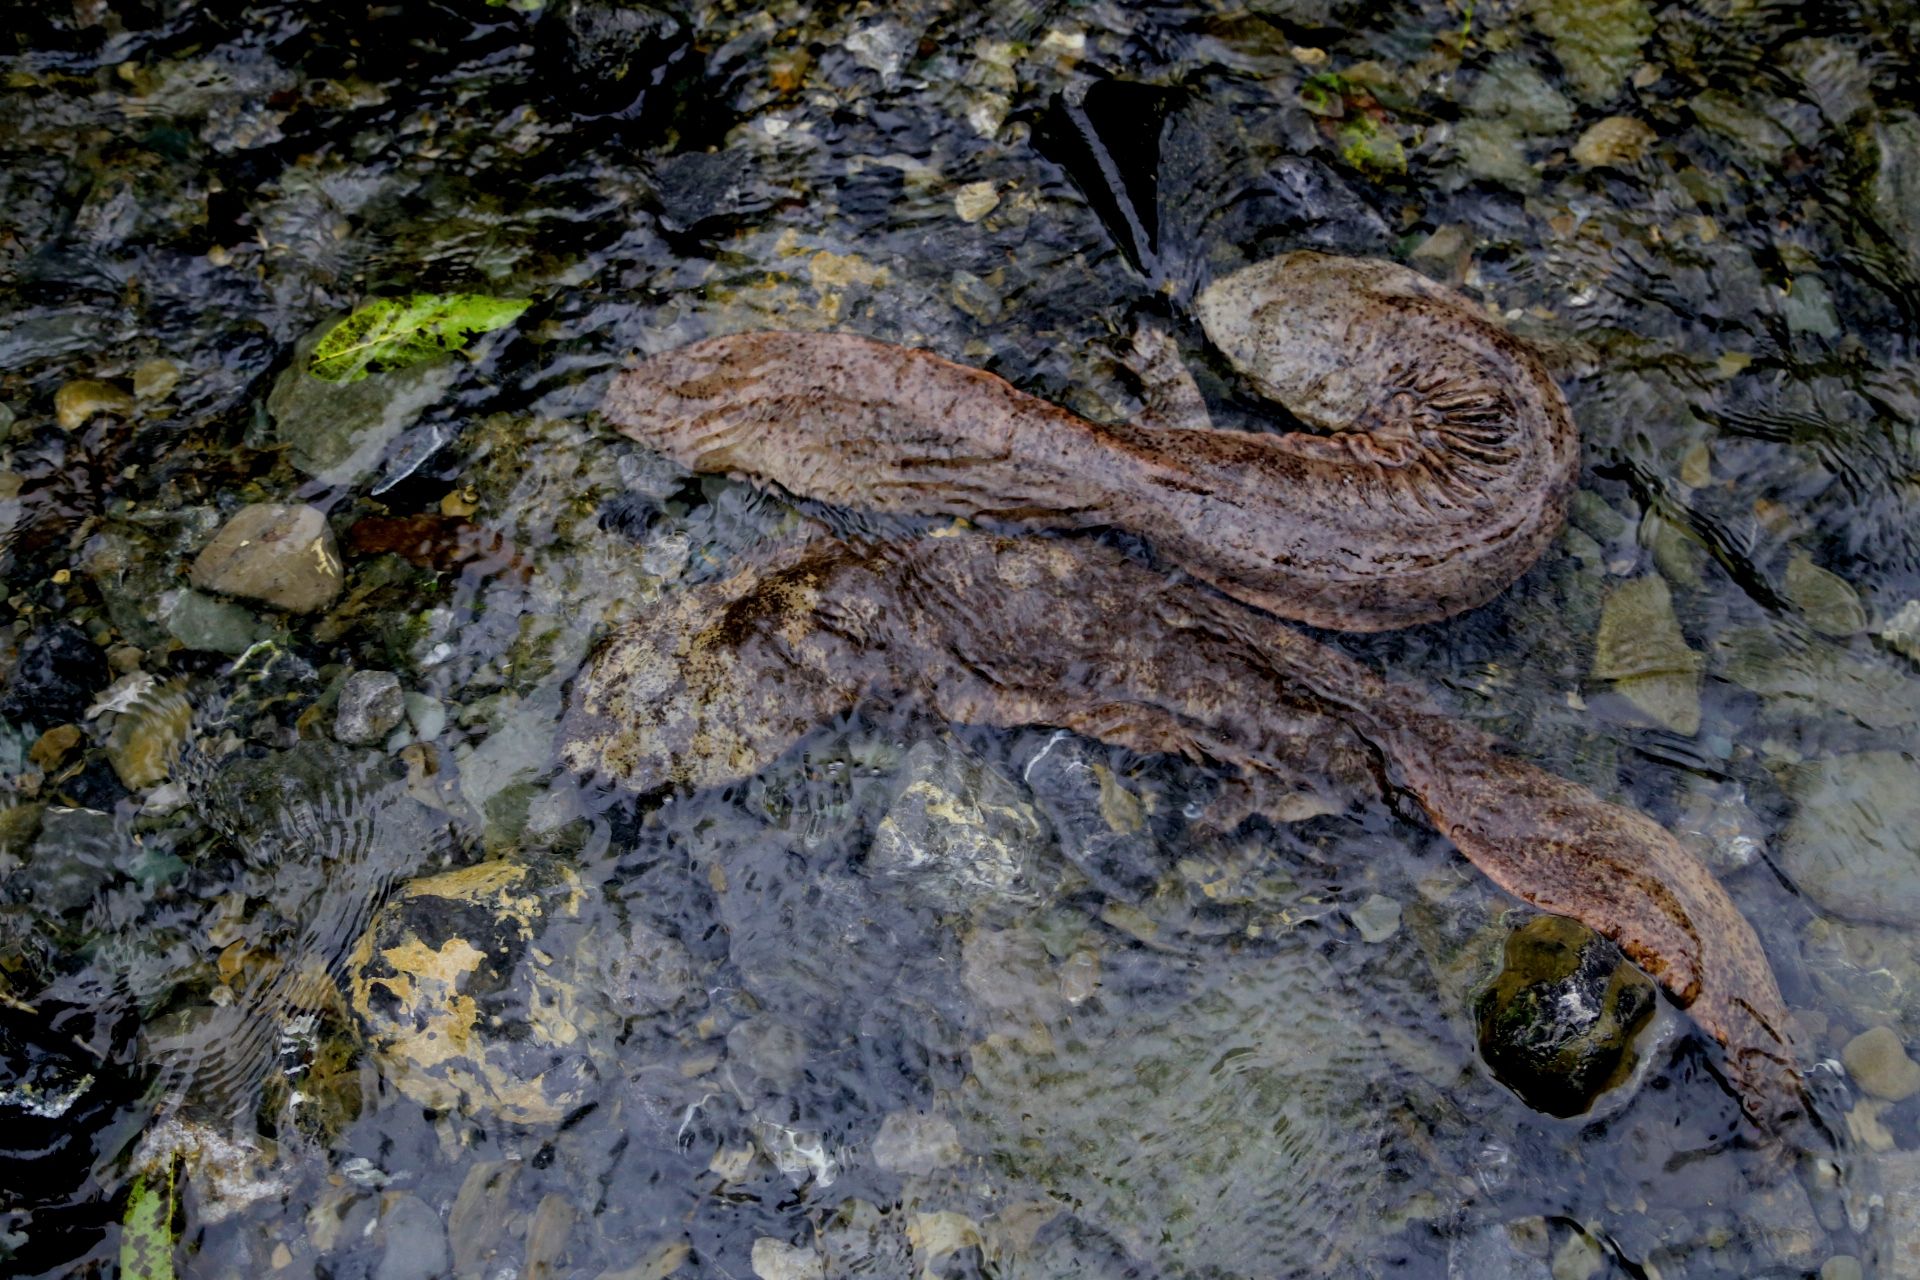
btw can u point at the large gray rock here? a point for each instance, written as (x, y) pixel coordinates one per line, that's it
(1854, 845)
(279, 555)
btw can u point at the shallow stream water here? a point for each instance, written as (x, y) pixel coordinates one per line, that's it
(919, 999)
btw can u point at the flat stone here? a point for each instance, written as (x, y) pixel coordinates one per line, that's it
(284, 556)
(1640, 648)
(777, 1260)
(199, 621)
(416, 1242)
(1879, 1062)
(1854, 845)
(1377, 919)
(910, 1142)
(372, 706)
(1825, 599)
(1614, 141)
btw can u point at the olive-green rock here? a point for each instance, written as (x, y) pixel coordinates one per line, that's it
(1597, 41)
(1639, 647)
(1557, 1024)
(1825, 599)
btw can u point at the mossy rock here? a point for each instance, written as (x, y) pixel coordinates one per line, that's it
(1557, 1025)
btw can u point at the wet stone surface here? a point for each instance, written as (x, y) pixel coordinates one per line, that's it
(1557, 1025)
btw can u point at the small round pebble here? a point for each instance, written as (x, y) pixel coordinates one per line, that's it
(1878, 1060)
(1377, 919)
(371, 707)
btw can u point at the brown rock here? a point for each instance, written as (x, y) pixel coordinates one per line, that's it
(54, 746)
(281, 555)
(1617, 140)
(1879, 1062)
(77, 401)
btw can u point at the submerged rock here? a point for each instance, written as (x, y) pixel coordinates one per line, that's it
(338, 432)
(1854, 845)
(612, 53)
(372, 706)
(1558, 1023)
(466, 986)
(55, 677)
(1244, 1101)
(1896, 180)
(957, 828)
(199, 621)
(913, 1142)
(1879, 1062)
(1825, 599)
(148, 734)
(1614, 141)
(1640, 648)
(1104, 828)
(280, 555)
(78, 401)
(1597, 41)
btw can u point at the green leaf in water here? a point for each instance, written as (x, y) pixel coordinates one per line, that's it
(390, 333)
(146, 1233)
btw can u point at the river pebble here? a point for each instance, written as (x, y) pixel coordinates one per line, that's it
(1615, 141)
(284, 556)
(372, 706)
(415, 1244)
(1843, 1266)
(916, 1143)
(1879, 1062)
(1826, 600)
(78, 401)
(1902, 631)
(199, 621)
(1640, 648)
(1377, 919)
(777, 1260)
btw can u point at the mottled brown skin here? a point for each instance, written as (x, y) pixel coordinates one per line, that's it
(1442, 468)
(985, 630)
(1445, 467)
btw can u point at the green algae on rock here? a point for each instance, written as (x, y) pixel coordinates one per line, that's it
(1557, 1024)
